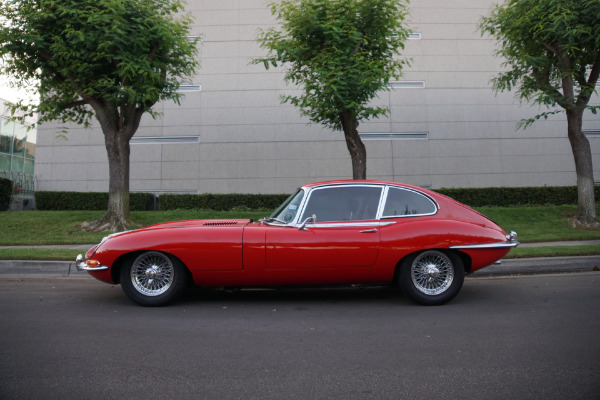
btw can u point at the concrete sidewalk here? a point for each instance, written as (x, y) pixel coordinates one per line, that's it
(519, 266)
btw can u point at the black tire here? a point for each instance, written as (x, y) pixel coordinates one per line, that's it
(152, 278)
(431, 277)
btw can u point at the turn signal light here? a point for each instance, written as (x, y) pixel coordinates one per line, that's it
(92, 263)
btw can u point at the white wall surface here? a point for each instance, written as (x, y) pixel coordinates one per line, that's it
(248, 142)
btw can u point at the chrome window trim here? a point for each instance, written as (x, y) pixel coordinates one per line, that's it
(347, 224)
(313, 189)
(381, 216)
(378, 216)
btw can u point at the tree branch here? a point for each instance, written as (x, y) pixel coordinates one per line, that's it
(548, 46)
(595, 72)
(543, 79)
(153, 51)
(588, 87)
(75, 104)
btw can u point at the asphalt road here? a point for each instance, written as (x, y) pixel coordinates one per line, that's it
(528, 337)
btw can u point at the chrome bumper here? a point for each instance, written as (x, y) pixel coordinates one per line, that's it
(82, 265)
(511, 241)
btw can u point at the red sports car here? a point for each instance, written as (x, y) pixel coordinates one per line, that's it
(337, 232)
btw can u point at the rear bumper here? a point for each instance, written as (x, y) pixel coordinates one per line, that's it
(495, 245)
(511, 242)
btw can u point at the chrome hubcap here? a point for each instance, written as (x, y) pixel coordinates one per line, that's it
(432, 272)
(152, 273)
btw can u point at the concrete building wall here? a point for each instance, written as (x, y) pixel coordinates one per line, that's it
(235, 136)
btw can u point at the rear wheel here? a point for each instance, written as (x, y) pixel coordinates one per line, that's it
(431, 277)
(153, 278)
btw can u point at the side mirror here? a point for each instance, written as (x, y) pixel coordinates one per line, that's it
(312, 219)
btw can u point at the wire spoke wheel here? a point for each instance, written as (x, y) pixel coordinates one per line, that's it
(432, 272)
(152, 273)
(432, 277)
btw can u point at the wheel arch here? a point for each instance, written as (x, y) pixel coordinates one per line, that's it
(122, 260)
(466, 260)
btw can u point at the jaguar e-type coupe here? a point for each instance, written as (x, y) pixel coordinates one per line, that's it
(327, 233)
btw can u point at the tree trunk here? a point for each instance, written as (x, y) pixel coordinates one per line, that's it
(118, 130)
(118, 192)
(580, 145)
(117, 216)
(356, 147)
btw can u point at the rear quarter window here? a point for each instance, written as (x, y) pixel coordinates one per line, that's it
(405, 202)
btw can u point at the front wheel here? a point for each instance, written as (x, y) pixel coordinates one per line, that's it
(431, 277)
(153, 278)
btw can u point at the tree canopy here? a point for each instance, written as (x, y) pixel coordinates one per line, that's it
(546, 44)
(340, 52)
(89, 52)
(108, 59)
(551, 55)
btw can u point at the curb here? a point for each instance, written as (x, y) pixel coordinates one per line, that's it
(541, 265)
(40, 269)
(519, 266)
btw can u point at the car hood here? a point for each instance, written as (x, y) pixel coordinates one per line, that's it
(208, 223)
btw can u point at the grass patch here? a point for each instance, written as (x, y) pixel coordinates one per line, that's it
(40, 254)
(554, 251)
(61, 227)
(533, 224)
(540, 223)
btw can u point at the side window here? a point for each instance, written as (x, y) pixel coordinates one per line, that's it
(287, 211)
(401, 202)
(343, 203)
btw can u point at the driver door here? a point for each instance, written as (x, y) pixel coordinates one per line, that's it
(346, 234)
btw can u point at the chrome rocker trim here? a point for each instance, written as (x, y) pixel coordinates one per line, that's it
(81, 265)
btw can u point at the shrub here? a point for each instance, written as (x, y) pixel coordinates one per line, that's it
(5, 193)
(220, 202)
(515, 196)
(46, 200)
(474, 197)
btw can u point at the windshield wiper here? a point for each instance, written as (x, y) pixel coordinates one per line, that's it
(267, 219)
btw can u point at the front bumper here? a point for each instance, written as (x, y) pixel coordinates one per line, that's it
(82, 264)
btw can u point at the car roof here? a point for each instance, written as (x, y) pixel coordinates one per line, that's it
(361, 181)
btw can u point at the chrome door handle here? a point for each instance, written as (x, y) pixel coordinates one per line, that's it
(369, 231)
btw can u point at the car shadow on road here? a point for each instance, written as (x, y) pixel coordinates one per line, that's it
(312, 295)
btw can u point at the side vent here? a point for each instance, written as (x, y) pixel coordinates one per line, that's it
(224, 223)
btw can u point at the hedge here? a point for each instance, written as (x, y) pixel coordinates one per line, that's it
(221, 202)
(516, 196)
(5, 193)
(46, 200)
(474, 197)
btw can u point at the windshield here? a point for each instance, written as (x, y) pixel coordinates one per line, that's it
(288, 210)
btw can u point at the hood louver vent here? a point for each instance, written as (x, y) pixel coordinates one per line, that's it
(225, 223)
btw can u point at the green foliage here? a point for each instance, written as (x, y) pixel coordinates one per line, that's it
(221, 202)
(342, 52)
(5, 193)
(474, 197)
(515, 196)
(31, 228)
(550, 48)
(46, 201)
(105, 53)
